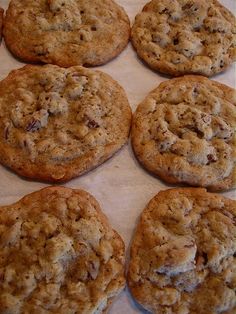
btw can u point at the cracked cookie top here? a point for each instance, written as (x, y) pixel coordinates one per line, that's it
(66, 33)
(58, 123)
(184, 131)
(183, 254)
(179, 37)
(58, 255)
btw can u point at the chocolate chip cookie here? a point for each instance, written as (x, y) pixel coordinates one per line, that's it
(185, 36)
(66, 33)
(184, 132)
(58, 255)
(57, 123)
(183, 254)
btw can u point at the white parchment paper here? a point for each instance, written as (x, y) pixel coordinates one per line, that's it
(120, 185)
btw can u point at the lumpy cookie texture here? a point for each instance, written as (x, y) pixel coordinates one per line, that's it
(185, 36)
(66, 33)
(183, 254)
(184, 131)
(1, 22)
(58, 255)
(58, 123)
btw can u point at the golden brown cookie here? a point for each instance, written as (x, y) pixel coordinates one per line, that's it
(66, 33)
(1, 22)
(58, 255)
(179, 37)
(183, 254)
(57, 123)
(184, 131)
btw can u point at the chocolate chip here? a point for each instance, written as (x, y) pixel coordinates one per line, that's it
(164, 11)
(211, 158)
(195, 92)
(205, 257)
(39, 54)
(176, 41)
(33, 126)
(93, 124)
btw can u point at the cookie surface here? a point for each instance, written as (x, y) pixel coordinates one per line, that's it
(183, 254)
(58, 255)
(179, 37)
(66, 33)
(1, 22)
(58, 123)
(184, 132)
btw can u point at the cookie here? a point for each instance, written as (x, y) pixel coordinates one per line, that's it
(184, 132)
(57, 123)
(179, 37)
(66, 33)
(1, 22)
(183, 254)
(58, 255)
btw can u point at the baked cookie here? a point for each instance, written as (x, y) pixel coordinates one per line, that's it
(58, 255)
(184, 131)
(179, 37)
(183, 254)
(66, 33)
(57, 123)
(1, 22)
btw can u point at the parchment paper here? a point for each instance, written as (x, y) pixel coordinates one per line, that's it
(120, 185)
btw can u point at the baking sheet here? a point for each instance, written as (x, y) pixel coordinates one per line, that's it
(120, 185)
